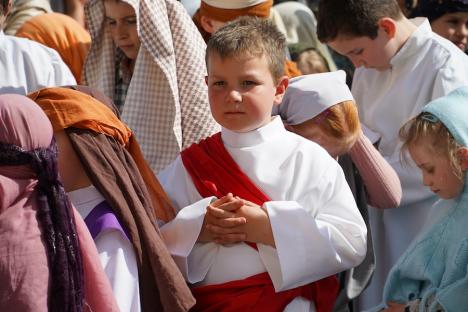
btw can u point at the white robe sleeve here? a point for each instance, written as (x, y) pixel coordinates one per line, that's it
(119, 262)
(320, 235)
(180, 234)
(60, 74)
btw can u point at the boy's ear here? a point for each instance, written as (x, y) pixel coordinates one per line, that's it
(207, 24)
(281, 89)
(462, 155)
(388, 25)
(206, 80)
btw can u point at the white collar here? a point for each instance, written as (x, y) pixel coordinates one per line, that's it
(266, 133)
(413, 44)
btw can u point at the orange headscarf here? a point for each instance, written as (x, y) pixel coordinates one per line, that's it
(69, 108)
(61, 33)
(226, 15)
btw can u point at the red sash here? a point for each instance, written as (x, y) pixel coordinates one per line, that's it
(215, 173)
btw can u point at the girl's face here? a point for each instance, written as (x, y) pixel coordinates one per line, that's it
(437, 171)
(454, 27)
(122, 22)
(310, 130)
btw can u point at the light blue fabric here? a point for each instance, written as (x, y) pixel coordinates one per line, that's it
(436, 264)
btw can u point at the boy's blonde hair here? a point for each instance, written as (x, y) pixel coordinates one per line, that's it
(250, 36)
(341, 121)
(426, 125)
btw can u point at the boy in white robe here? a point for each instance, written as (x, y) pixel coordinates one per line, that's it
(26, 66)
(402, 66)
(305, 225)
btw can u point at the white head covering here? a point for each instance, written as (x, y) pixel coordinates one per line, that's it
(237, 4)
(309, 95)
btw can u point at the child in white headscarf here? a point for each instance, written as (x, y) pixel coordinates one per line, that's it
(321, 108)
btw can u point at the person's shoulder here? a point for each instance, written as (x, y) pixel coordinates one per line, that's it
(307, 149)
(30, 47)
(444, 50)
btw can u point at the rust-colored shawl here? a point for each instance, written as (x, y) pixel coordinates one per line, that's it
(99, 137)
(61, 33)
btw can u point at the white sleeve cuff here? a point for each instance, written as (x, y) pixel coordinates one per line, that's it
(180, 236)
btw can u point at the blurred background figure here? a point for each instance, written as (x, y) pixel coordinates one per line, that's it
(301, 34)
(21, 11)
(448, 18)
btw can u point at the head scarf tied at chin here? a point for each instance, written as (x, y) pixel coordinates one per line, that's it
(28, 153)
(107, 148)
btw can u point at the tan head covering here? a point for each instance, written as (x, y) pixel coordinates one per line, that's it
(166, 103)
(61, 33)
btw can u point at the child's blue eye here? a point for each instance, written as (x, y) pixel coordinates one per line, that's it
(248, 83)
(218, 83)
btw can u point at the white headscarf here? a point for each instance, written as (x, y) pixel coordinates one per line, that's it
(309, 95)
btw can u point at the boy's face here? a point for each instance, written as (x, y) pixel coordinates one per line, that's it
(436, 169)
(121, 20)
(364, 51)
(454, 27)
(242, 91)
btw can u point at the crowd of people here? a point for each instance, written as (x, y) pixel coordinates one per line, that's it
(249, 155)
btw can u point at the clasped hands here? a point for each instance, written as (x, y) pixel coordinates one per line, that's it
(231, 219)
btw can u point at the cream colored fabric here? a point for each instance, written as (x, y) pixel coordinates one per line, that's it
(23, 10)
(166, 104)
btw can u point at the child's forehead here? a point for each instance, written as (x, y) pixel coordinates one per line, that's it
(240, 57)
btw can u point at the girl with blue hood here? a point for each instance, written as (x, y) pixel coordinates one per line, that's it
(432, 274)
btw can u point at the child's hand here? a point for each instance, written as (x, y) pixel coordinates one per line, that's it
(257, 228)
(224, 218)
(394, 307)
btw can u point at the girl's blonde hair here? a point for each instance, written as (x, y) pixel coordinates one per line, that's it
(340, 121)
(426, 125)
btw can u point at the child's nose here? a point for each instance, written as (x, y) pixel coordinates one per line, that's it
(463, 30)
(235, 96)
(357, 62)
(120, 30)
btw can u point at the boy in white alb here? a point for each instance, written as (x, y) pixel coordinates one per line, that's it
(265, 217)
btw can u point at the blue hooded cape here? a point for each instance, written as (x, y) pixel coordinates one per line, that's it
(435, 266)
